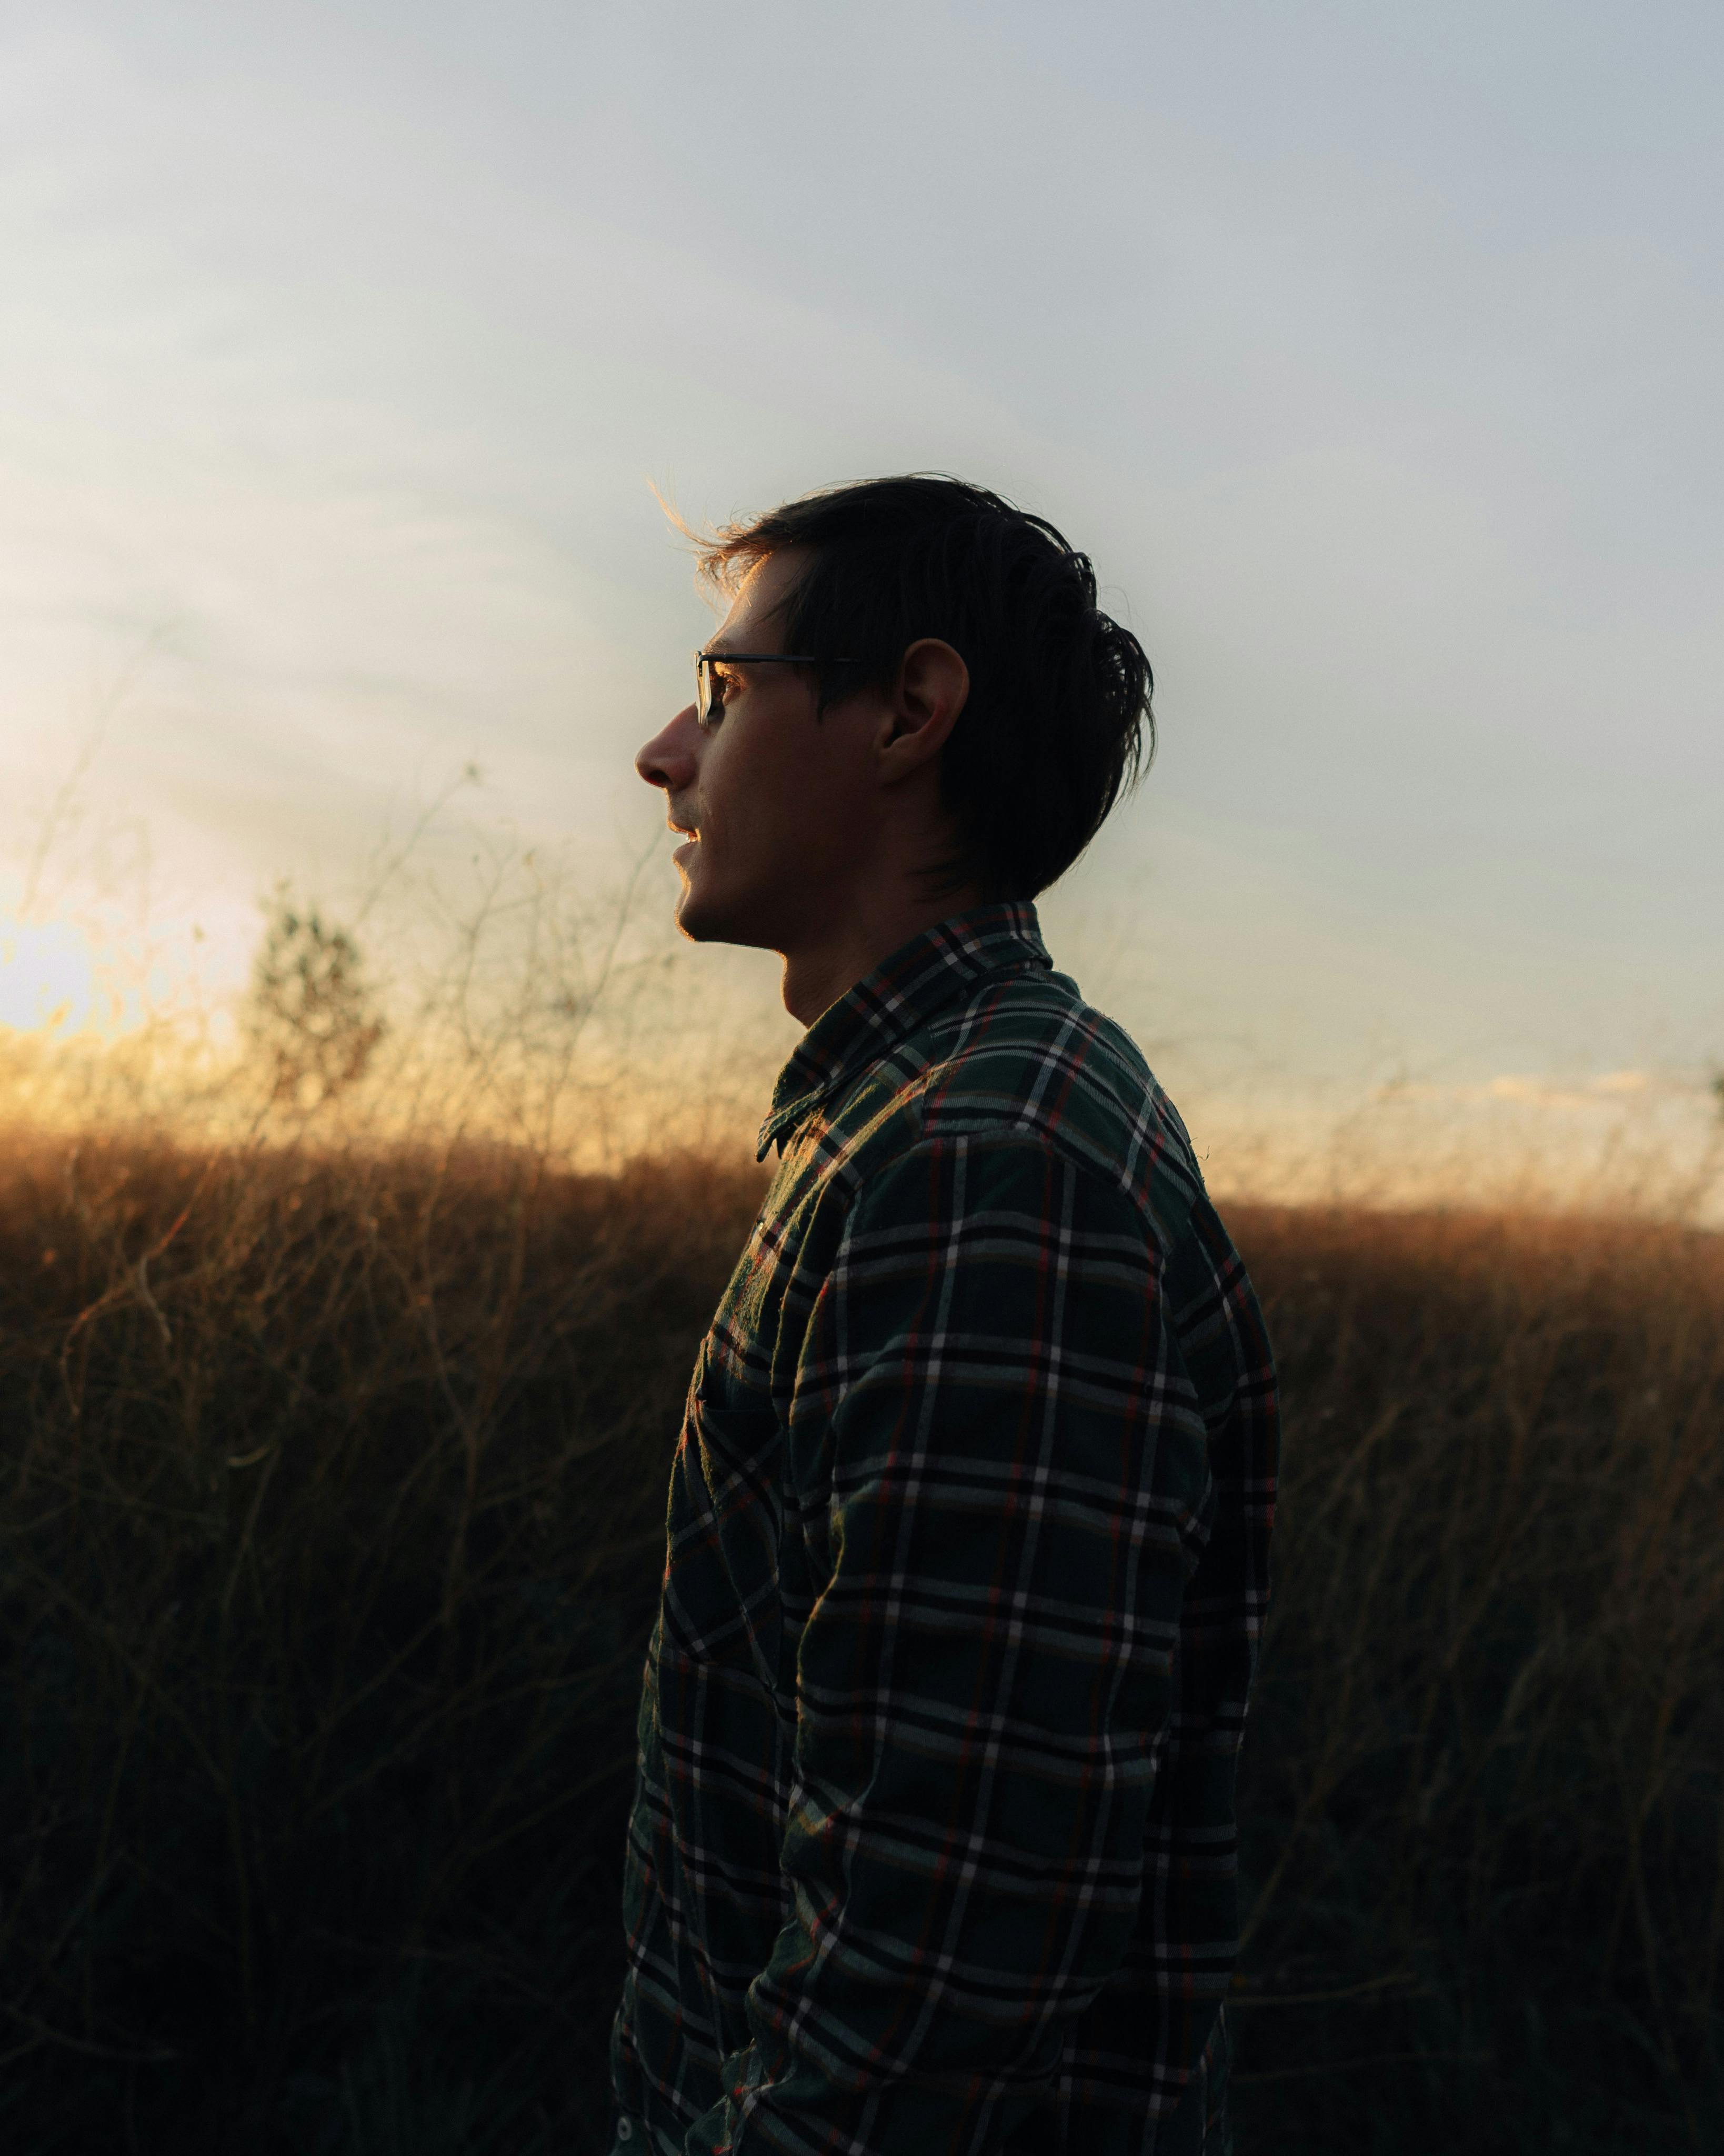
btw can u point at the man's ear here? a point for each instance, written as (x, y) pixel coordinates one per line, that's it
(933, 686)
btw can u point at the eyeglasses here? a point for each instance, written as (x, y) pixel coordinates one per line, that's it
(709, 679)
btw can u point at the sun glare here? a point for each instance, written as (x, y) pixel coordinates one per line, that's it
(50, 979)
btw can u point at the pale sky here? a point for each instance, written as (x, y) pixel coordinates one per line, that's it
(1371, 350)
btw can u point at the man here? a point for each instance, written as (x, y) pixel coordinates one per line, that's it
(932, 1846)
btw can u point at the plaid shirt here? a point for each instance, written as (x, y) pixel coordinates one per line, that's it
(932, 1846)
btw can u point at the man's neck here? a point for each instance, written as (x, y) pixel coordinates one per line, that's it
(818, 971)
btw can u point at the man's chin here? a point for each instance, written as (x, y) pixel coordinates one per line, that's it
(704, 918)
(692, 923)
(697, 917)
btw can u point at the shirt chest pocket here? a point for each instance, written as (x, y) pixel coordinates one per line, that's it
(722, 1600)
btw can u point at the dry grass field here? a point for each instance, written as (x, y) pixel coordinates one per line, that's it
(330, 1493)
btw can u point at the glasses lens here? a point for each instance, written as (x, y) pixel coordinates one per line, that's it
(709, 705)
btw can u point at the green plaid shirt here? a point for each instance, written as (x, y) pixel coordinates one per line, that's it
(932, 1846)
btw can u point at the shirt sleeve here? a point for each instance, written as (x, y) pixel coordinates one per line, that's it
(1005, 1459)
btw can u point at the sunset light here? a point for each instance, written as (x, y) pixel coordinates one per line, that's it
(50, 979)
(1024, 1450)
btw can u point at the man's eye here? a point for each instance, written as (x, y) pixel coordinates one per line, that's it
(725, 682)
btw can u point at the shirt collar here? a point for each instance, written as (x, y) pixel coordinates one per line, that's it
(918, 979)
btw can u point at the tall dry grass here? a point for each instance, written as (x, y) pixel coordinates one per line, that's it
(330, 1492)
(330, 1509)
(1485, 1782)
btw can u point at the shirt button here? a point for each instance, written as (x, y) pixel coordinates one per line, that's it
(625, 2129)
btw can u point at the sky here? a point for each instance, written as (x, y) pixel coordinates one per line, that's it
(1371, 351)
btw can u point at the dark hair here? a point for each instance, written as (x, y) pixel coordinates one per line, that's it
(1058, 724)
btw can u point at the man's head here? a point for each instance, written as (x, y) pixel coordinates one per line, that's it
(961, 718)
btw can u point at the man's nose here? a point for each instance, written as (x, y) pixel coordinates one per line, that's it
(670, 758)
